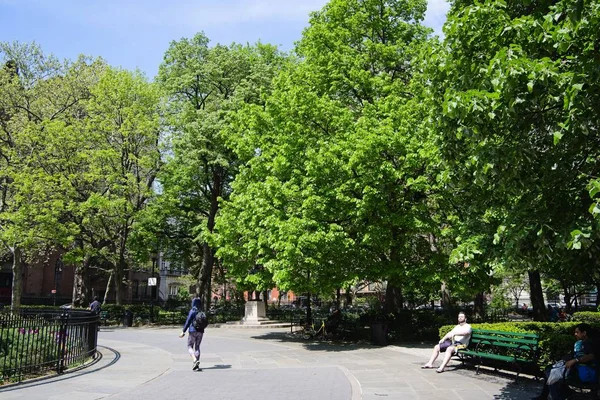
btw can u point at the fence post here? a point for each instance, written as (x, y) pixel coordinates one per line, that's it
(92, 334)
(62, 342)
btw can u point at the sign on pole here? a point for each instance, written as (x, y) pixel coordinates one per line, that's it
(151, 281)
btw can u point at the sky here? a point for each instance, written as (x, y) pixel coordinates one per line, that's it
(135, 33)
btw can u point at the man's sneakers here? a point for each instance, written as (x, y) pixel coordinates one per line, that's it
(196, 366)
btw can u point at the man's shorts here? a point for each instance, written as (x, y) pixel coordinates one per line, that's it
(447, 343)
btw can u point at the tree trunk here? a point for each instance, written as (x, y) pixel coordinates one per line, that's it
(17, 283)
(308, 309)
(203, 285)
(393, 298)
(79, 284)
(338, 298)
(107, 288)
(121, 268)
(266, 299)
(480, 306)
(118, 284)
(208, 256)
(567, 295)
(537, 296)
(446, 300)
(348, 297)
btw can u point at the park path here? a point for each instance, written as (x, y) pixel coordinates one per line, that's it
(142, 363)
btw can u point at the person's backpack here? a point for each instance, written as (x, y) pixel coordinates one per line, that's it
(200, 321)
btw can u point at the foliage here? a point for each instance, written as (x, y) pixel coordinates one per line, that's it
(499, 298)
(14, 354)
(591, 317)
(205, 86)
(517, 116)
(337, 185)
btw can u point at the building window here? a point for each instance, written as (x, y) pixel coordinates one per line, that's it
(173, 290)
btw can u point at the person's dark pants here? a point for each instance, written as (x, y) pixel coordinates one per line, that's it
(558, 390)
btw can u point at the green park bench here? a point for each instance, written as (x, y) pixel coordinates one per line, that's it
(103, 317)
(514, 351)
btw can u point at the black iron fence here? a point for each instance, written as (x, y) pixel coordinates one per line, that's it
(39, 342)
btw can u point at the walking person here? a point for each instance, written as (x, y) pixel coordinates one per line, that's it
(95, 306)
(459, 336)
(196, 322)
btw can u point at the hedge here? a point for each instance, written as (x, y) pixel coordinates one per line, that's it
(591, 317)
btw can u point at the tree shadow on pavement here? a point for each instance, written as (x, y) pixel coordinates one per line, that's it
(525, 387)
(518, 391)
(315, 344)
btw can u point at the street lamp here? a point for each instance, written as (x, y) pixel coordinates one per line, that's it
(152, 284)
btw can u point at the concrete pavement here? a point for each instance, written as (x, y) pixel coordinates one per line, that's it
(142, 363)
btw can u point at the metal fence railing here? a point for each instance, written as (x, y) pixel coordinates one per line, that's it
(38, 342)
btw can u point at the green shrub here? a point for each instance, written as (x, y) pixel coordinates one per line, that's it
(591, 317)
(171, 317)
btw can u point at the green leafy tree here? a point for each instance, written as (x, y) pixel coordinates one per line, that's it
(517, 117)
(39, 97)
(88, 173)
(205, 86)
(339, 182)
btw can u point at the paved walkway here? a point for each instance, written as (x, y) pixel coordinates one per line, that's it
(142, 363)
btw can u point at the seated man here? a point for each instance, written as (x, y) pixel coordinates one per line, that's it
(581, 365)
(460, 335)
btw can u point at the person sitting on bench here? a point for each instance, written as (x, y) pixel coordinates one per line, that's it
(580, 365)
(460, 335)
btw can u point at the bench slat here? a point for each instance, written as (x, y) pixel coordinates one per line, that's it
(494, 356)
(509, 343)
(504, 338)
(505, 333)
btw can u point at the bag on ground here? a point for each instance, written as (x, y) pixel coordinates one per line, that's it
(556, 373)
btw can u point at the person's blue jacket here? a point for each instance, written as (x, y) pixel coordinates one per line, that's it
(196, 305)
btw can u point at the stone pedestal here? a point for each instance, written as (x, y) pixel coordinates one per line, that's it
(255, 312)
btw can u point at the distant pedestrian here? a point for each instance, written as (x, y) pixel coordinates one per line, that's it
(552, 313)
(95, 306)
(196, 322)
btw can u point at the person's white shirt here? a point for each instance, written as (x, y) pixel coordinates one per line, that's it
(460, 333)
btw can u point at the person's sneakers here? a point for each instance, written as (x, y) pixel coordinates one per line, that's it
(196, 366)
